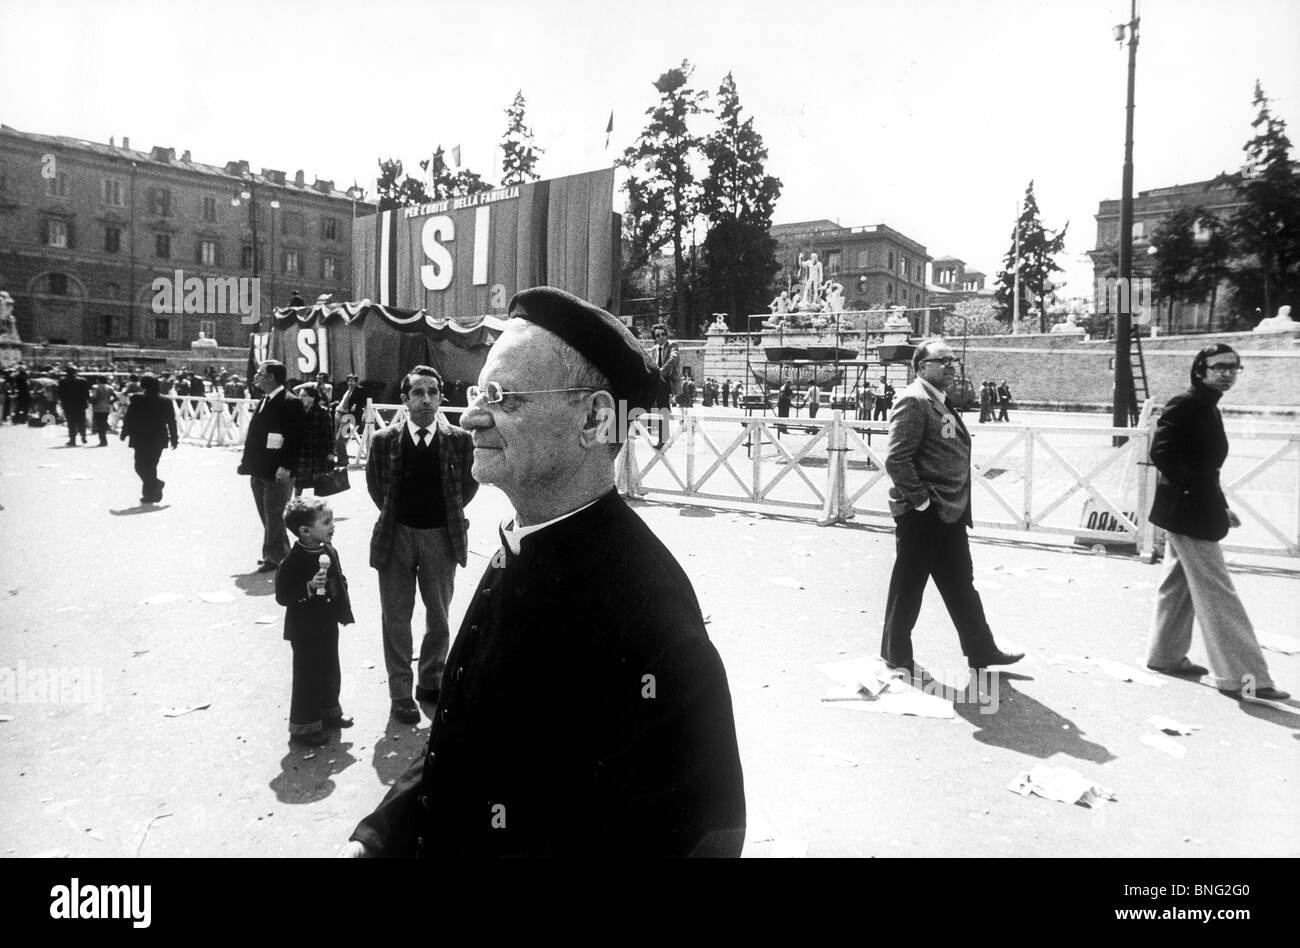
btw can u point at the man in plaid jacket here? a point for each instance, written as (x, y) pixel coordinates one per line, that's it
(418, 475)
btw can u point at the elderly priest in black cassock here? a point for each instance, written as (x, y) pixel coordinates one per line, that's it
(584, 710)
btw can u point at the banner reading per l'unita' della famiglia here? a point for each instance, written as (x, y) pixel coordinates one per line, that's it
(467, 256)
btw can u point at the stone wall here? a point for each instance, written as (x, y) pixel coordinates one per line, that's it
(1048, 369)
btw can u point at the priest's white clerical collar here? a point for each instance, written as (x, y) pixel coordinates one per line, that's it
(513, 535)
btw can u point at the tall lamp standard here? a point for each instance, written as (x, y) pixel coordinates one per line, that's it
(249, 194)
(1125, 399)
(275, 206)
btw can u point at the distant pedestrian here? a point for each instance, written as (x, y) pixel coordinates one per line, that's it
(102, 397)
(884, 400)
(149, 425)
(74, 396)
(726, 392)
(784, 398)
(1004, 401)
(316, 604)
(1189, 449)
(316, 453)
(813, 399)
(986, 401)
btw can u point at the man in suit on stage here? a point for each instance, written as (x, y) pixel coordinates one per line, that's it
(418, 475)
(928, 459)
(271, 457)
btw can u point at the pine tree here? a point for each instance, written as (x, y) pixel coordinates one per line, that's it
(1037, 248)
(661, 189)
(447, 184)
(519, 154)
(738, 198)
(1173, 277)
(1267, 228)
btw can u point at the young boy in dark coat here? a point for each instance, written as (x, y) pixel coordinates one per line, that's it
(316, 602)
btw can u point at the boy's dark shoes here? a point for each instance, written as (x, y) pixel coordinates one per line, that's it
(314, 739)
(341, 721)
(405, 711)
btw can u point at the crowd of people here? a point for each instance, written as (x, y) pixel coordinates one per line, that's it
(632, 747)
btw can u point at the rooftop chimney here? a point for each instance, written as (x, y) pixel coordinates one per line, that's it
(297, 178)
(186, 157)
(324, 186)
(126, 142)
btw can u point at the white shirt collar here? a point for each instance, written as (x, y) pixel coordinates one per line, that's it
(513, 535)
(274, 392)
(412, 428)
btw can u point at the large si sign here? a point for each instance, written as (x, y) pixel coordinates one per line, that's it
(467, 256)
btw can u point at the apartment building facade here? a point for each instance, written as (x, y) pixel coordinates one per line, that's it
(87, 228)
(878, 266)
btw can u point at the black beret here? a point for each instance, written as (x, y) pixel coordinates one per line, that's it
(599, 337)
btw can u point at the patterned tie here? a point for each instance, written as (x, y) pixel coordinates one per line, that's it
(423, 433)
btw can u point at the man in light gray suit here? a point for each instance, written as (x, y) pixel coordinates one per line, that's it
(928, 459)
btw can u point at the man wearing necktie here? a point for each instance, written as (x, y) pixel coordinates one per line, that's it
(585, 711)
(271, 458)
(928, 459)
(418, 475)
(670, 378)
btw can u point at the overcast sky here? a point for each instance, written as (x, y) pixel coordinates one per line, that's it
(927, 115)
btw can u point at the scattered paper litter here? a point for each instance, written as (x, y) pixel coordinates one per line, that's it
(1061, 784)
(265, 620)
(1062, 580)
(177, 712)
(49, 465)
(835, 757)
(65, 609)
(1122, 672)
(391, 754)
(785, 581)
(5, 718)
(1170, 726)
(51, 854)
(220, 595)
(1280, 643)
(1162, 742)
(759, 831)
(81, 477)
(367, 664)
(219, 625)
(160, 598)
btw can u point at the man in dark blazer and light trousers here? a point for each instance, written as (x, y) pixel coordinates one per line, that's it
(418, 475)
(270, 457)
(928, 459)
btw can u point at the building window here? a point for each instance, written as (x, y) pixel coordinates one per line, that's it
(57, 186)
(832, 261)
(902, 266)
(58, 284)
(208, 252)
(108, 326)
(56, 233)
(210, 209)
(160, 202)
(162, 328)
(1139, 228)
(208, 327)
(292, 223)
(112, 193)
(863, 257)
(891, 291)
(329, 268)
(246, 257)
(891, 260)
(290, 263)
(329, 228)
(162, 246)
(4, 178)
(112, 239)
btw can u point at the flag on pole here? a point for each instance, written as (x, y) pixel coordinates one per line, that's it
(609, 129)
(455, 156)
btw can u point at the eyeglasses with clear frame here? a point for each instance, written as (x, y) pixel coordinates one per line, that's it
(1223, 368)
(493, 394)
(946, 360)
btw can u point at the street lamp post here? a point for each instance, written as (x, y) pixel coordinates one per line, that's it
(249, 194)
(1122, 410)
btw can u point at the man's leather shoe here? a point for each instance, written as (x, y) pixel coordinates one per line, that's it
(909, 667)
(341, 721)
(997, 658)
(314, 739)
(1186, 668)
(404, 711)
(268, 567)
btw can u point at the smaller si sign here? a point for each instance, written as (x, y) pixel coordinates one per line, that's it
(313, 352)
